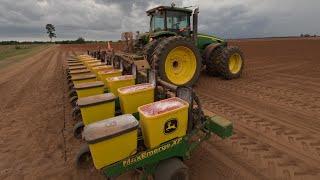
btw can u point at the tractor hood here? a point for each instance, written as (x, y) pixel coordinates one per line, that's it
(144, 37)
(210, 38)
(204, 40)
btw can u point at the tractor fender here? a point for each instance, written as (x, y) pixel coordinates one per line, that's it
(209, 49)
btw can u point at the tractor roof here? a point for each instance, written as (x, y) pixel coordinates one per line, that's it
(150, 11)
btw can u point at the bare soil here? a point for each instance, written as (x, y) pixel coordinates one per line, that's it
(275, 108)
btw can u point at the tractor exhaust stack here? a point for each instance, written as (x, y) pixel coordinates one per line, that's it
(195, 24)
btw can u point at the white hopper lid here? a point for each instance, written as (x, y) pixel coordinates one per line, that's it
(109, 128)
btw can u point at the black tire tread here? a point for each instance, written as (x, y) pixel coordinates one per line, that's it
(149, 48)
(223, 59)
(76, 129)
(212, 63)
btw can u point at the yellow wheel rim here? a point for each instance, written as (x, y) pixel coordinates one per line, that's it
(235, 63)
(180, 65)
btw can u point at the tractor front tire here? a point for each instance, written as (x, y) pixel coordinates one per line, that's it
(149, 48)
(177, 61)
(230, 62)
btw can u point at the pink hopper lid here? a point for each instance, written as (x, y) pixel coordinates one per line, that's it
(162, 106)
(121, 78)
(135, 88)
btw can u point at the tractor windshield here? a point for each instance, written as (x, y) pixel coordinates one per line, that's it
(174, 21)
(157, 22)
(177, 21)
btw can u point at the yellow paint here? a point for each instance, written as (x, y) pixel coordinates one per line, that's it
(129, 102)
(94, 113)
(103, 75)
(85, 92)
(75, 73)
(114, 85)
(153, 126)
(235, 63)
(84, 80)
(180, 65)
(100, 68)
(112, 150)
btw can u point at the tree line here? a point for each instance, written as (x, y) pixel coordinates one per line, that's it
(80, 40)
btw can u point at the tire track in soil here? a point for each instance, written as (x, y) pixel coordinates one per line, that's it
(304, 140)
(17, 111)
(275, 111)
(269, 111)
(261, 152)
(35, 120)
(25, 65)
(22, 78)
(271, 96)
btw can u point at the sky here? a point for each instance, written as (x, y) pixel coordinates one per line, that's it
(106, 19)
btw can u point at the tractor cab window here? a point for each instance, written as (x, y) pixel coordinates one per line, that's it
(178, 22)
(157, 22)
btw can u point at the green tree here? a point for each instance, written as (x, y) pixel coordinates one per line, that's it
(51, 31)
(80, 40)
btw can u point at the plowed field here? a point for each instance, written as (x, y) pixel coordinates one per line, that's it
(275, 108)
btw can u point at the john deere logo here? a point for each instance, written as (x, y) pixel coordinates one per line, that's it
(170, 126)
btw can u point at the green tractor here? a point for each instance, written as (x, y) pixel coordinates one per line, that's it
(178, 52)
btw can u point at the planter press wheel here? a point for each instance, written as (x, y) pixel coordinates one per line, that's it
(77, 130)
(73, 101)
(68, 77)
(71, 86)
(76, 113)
(171, 169)
(72, 93)
(83, 158)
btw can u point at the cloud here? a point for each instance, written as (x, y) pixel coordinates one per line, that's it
(106, 19)
(259, 18)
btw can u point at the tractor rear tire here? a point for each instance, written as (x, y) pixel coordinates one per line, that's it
(212, 62)
(230, 62)
(177, 61)
(171, 169)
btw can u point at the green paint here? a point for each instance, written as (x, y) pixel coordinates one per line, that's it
(117, 104)
(204, 40)
(220, 126)
(148, 159)
(136, 115)
(180, 147)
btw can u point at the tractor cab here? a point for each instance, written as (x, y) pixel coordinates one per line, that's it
(170, 20)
